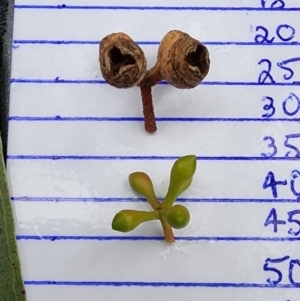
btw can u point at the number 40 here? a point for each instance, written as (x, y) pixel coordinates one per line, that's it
(270, 182)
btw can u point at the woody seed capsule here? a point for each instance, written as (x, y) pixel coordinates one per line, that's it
(182, 60)
(122, 61)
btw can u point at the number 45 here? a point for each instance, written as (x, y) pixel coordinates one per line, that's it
(272, 219)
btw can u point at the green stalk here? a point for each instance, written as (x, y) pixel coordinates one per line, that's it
(11, 283)
(168, 232)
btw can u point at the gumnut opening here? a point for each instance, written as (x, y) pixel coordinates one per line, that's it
(122, 61)
(182, 60)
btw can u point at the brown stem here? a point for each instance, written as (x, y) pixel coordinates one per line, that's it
(168, 232)
(149, 117)
(152, 78)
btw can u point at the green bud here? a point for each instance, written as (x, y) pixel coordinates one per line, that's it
(178, 217)
(142, 184)
(181, 178)
(127, 220)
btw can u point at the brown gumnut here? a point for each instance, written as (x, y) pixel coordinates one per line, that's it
(182, 61)
(123, 65)
(122, 61)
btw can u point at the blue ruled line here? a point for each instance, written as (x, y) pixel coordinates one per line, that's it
(78, 42)
(104, 158)
(137, 200)
(157, 238)
(58, 80)
(159, 119)
(177, 8)
(159, 284)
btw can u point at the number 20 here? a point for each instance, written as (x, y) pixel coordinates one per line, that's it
(263, 37)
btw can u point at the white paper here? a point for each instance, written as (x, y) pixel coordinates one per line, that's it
(73, 141)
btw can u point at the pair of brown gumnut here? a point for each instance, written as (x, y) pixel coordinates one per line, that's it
(182, 61)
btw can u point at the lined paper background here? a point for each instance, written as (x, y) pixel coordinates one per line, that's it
(73, 140)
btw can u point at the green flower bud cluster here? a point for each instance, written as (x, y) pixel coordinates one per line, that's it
(170, 216)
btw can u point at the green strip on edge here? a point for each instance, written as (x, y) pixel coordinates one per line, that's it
(11, 283)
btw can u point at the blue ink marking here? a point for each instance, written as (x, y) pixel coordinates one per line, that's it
(156, 238)
(291, 219)
(273, 220)
(56, 81)
(159, 119)
(291, 268)
(200, 158)
(265, 75)
(270, 145)
(268, 107)
(295, 175)
(158, 284)
(264, 38)
(212, 83)
(136, 200)
(177, 8)
(292, 97)
(291, 146)
(270, 182)
(212, 43)
(281, 4)
(271, 269)
(290, 71)
(288, 38)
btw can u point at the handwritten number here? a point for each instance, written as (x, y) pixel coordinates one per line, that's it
(272, 183)
(292, 220)
(291, 268)
(283, 64)
(292, 264)
(287, 143)
(269, 106)
(270, 145)
(278, 272)
(290, 28)
(278, 4)
(266, 77)
(295, 175)
(291, 146)
(266, 74)
(290, 98)
(290, 73)
(284, 32)
(272, 219)
(259, 38)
